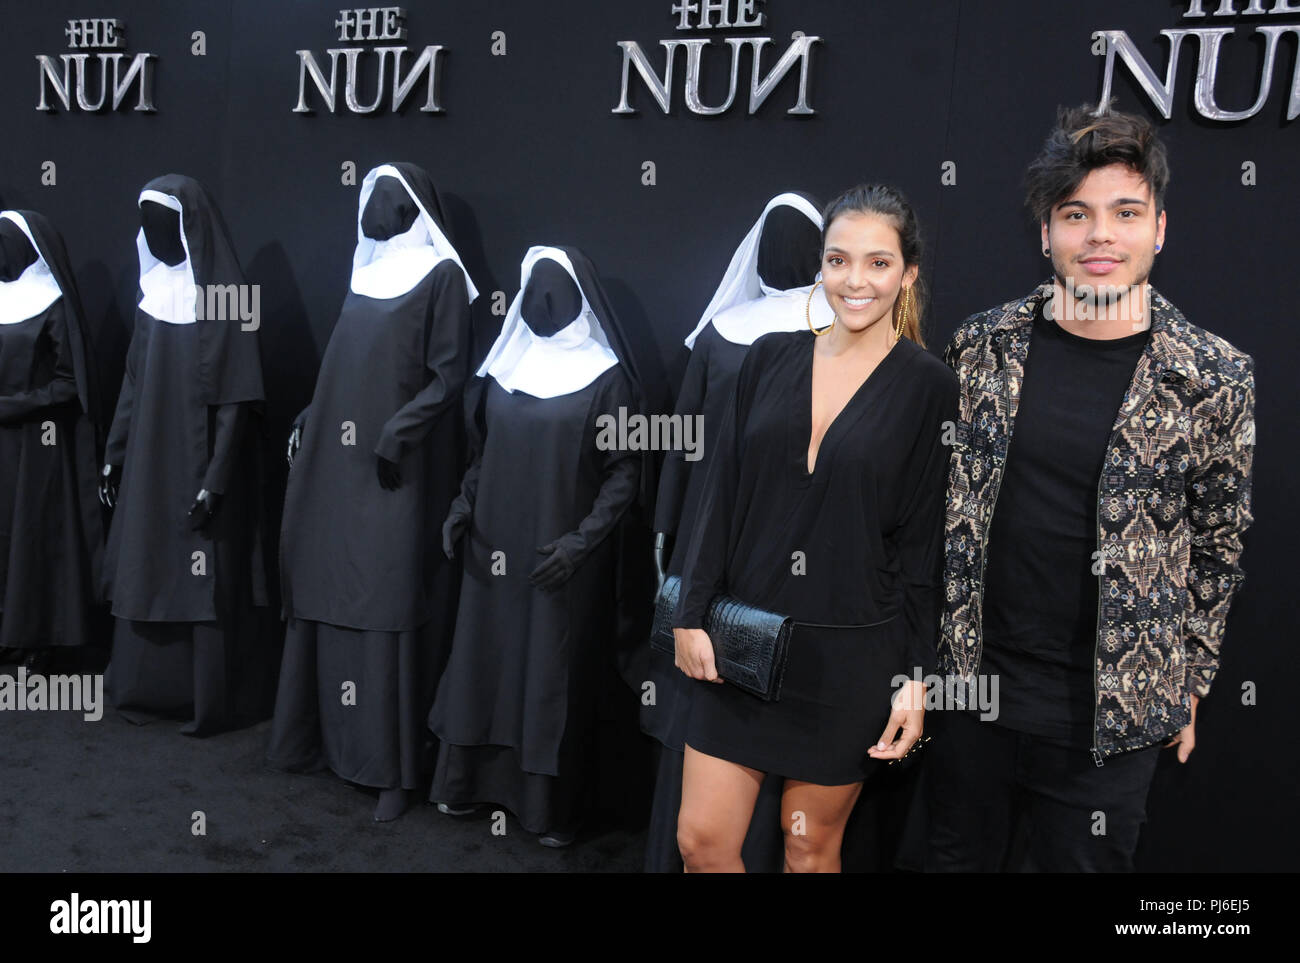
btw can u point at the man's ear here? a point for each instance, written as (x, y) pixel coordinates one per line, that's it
(1043, 228)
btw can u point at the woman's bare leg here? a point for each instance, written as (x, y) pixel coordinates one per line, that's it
(717, 802)
(813, 819)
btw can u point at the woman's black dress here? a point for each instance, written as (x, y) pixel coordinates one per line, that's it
(850, 551)
(706, 391)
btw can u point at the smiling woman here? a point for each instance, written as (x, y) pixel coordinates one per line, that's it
(824, 503)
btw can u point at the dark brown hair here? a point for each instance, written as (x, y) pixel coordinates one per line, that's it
(1085, 140)
(889, 203)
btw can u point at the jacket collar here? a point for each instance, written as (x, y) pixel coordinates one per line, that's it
(1168, 348)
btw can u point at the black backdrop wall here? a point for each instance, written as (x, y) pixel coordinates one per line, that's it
(528, 151)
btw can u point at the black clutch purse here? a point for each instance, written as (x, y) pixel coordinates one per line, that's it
(749, 644)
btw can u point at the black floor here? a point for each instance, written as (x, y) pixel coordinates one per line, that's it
(110, 796)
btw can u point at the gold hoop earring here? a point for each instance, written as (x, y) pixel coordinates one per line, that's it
(807, 313)
(902, 314)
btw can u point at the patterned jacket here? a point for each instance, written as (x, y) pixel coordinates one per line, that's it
(1173, 500)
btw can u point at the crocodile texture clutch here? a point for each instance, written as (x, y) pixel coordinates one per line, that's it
(749, 643)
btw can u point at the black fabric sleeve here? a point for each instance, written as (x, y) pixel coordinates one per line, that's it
(920, 532)
(463, 503)
(621, 471)
(676, 471)
(60, 389)
(115, 447)
(704, 569)
(227, 430)
(476, 434)
(448, 335)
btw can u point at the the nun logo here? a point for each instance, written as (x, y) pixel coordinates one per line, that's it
(1210, 42)
(638, 432)
(375, 23)
(71, 80)
(737, 14)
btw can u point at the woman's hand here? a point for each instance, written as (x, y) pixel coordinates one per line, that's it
(695, 654)
(908, 714)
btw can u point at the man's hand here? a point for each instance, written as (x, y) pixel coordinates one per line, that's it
(1186, 739)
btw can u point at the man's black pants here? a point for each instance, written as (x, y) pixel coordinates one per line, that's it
(1081, 817)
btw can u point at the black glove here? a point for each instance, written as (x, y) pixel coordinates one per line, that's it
(205, 506)
(109, 478)
(563, 556)
(390, 475)
(452, 529)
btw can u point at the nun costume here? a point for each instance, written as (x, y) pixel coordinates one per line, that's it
(765, 289)
(51, 530)
(184, 566)
(368, 596)
(516, 709)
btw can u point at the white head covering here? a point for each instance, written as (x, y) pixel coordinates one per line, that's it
(388, 269)
(32, 291)
(168, 292)
(565, 362)
(739, 310)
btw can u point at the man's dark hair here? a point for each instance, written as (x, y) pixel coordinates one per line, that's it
(1085, 140)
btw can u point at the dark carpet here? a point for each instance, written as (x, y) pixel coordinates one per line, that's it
(110, 796)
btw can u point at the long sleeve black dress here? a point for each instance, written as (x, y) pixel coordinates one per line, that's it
(50, 530)
(851, 551)
(706, 392)
(367, 594)
(192, 627)
(194, 633)
(514, 709)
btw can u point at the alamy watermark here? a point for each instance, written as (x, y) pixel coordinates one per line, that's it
(638, 432)
(222, 302)
(1101, 302)
(954, 692)
(77, 916)
(66, 693)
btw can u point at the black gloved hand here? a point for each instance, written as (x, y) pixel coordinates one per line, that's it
(452, 529)
(204, 508)
(563, 556)
(109, 478)
(390, 475)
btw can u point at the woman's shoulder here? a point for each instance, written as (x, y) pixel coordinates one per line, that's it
(927, 370)
(777, 344)
(773, 352)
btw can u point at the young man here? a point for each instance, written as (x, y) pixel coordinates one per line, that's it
(1097, 494)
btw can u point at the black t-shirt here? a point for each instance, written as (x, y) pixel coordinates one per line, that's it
(1040, 593)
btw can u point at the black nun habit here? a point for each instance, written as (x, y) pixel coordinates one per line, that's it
(368, 595)
(184, 566)
(51, 531)
(515, 710)
(765, 289)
